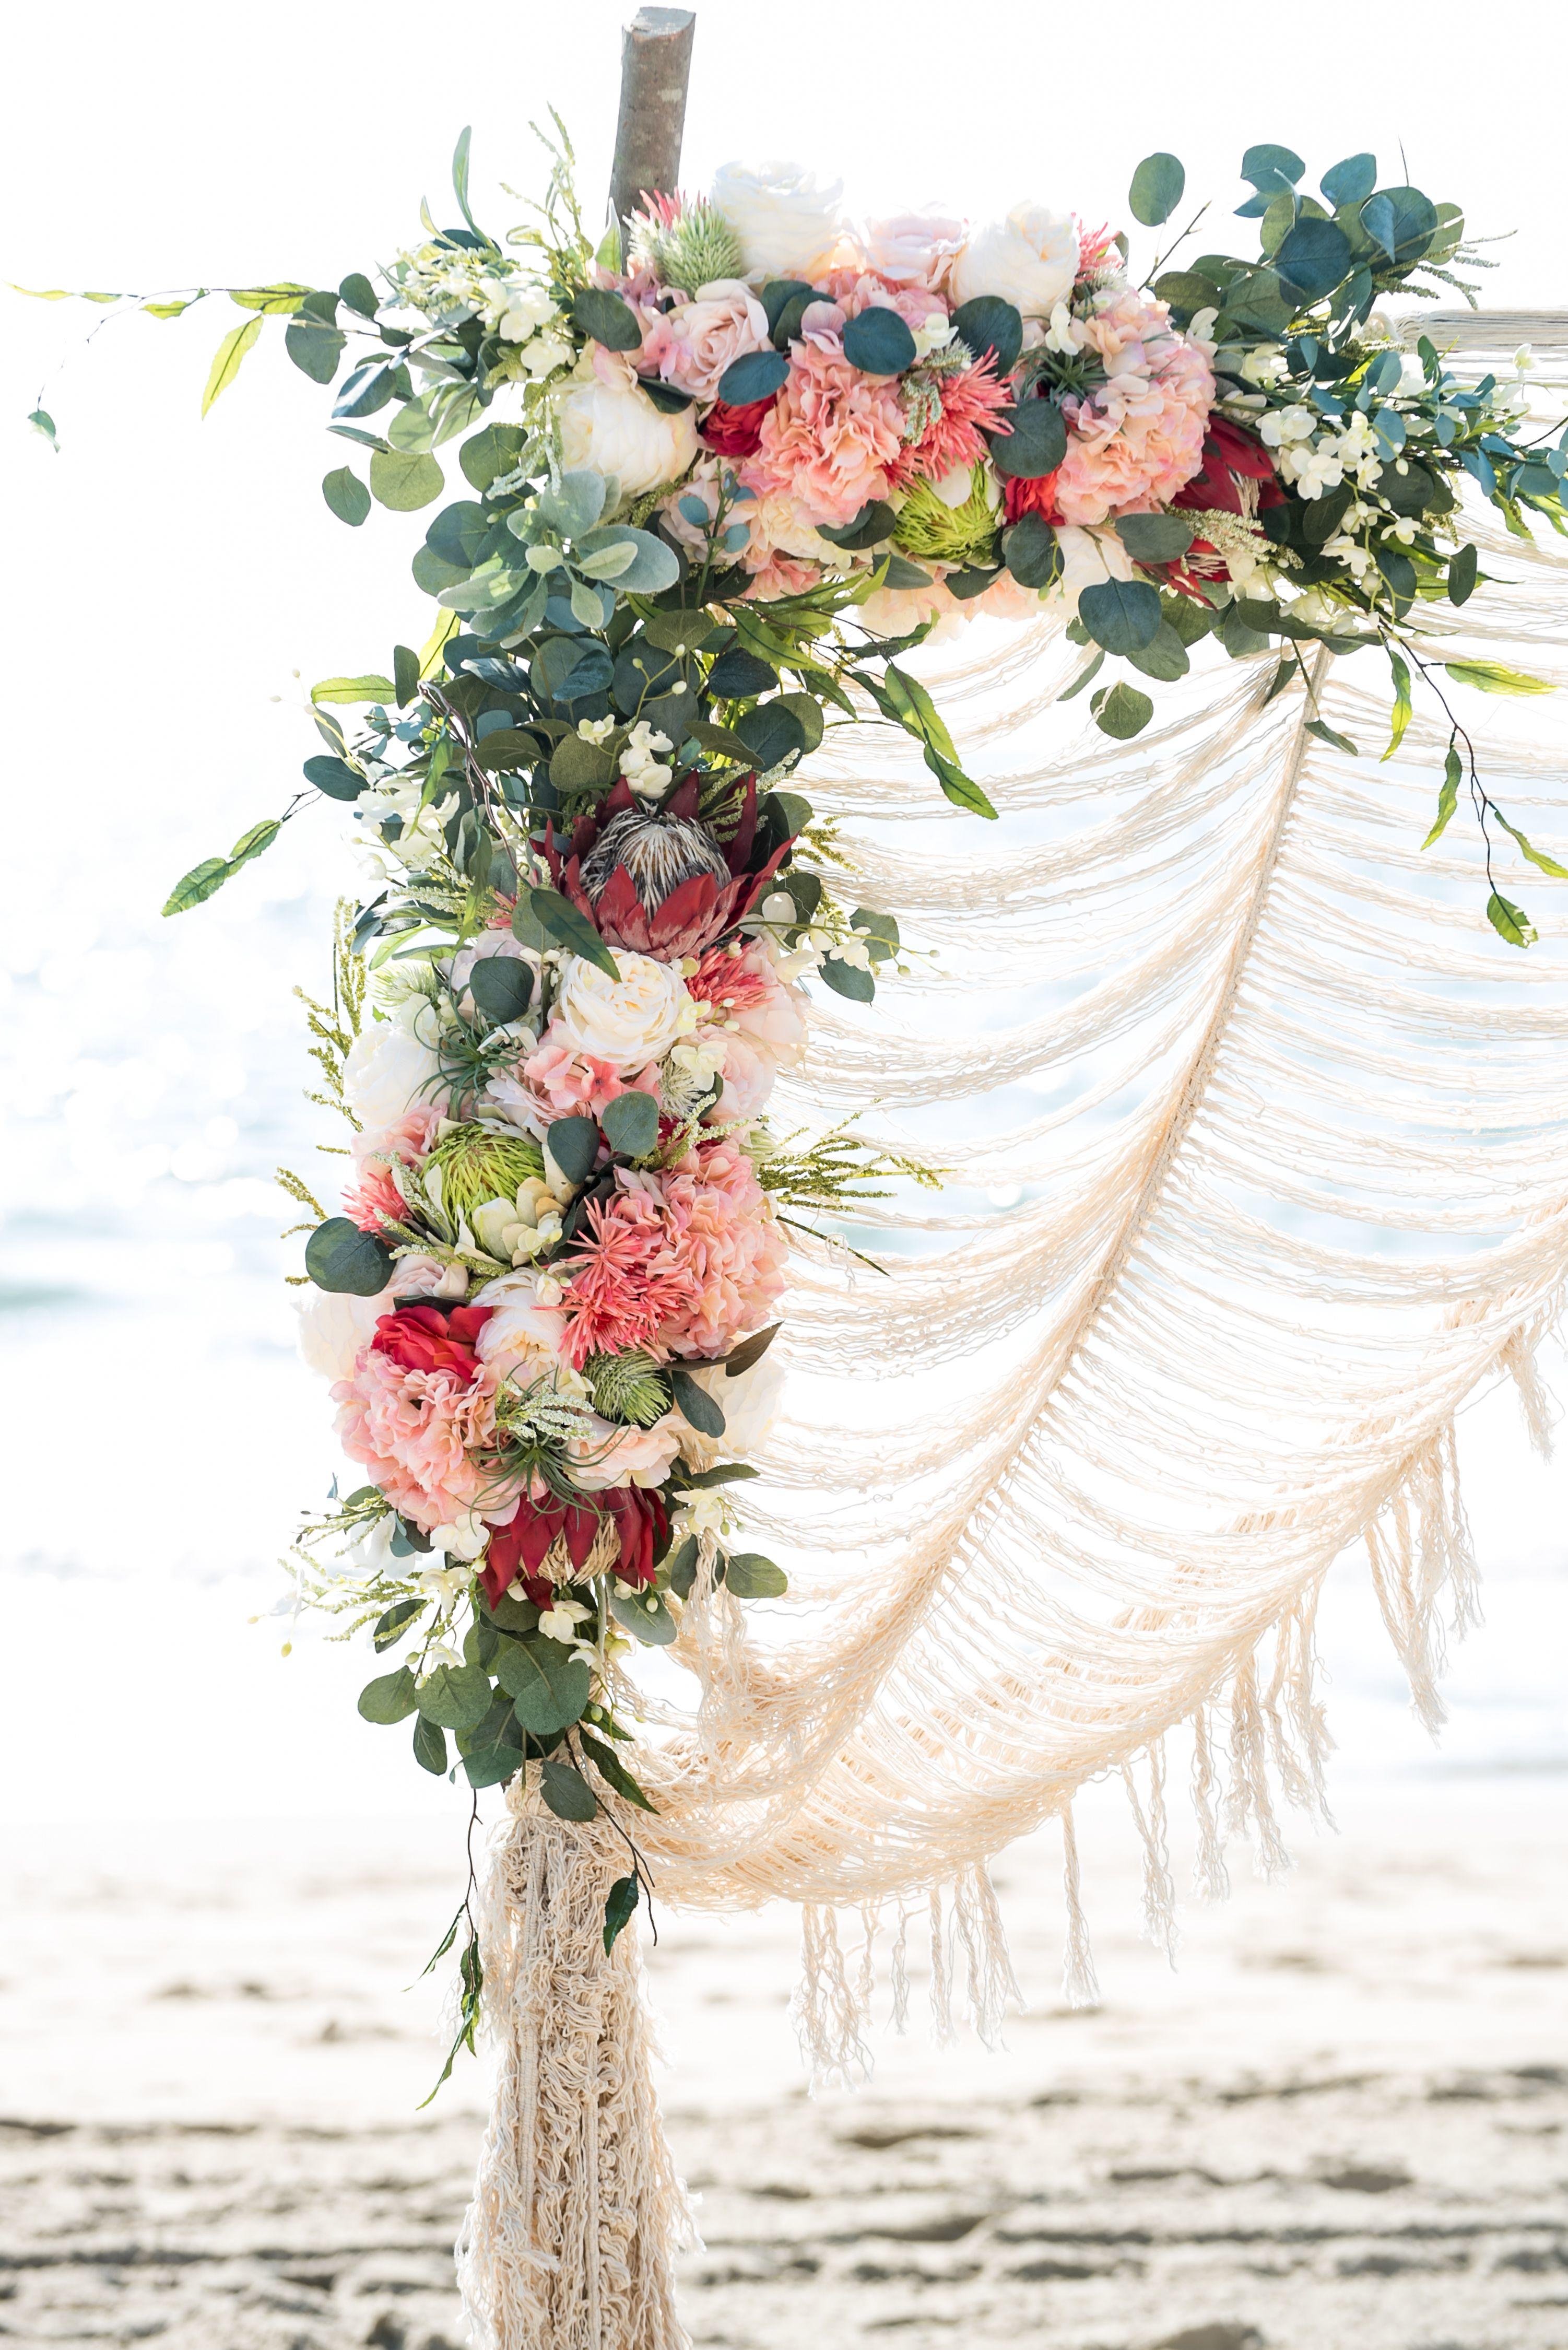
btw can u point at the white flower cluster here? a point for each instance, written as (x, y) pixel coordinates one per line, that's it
(1315, 453)
(449, 285)
(640, 764)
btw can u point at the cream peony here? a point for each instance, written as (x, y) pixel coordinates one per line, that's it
(1029, 259)
(522, 1339)
(630, 1021)
(389, 1071)
(787, 225)
(332, 1327)
(621, 432)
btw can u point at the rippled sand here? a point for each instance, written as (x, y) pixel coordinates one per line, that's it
(1342, 2122)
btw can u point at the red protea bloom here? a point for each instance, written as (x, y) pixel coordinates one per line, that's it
(1231, 459)
(970, 403)
(624, 896)
(638, 1515)
(735, 431)
(432, 1339)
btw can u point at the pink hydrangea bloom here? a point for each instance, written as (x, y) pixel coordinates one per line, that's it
(727, 1245)
(829, 438)
(415, 1432)
(1138, 439)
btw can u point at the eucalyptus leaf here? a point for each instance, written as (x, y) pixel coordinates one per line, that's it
(574, 1144)
(987, 323)
(749, 1575)
(404, 480)
(502, 987)
(1121, 710)
(565, 1791)
(1156, 189)
(548, 1686)
(1121, 615)
(696, 1404)
(607, 318)
(620, 1905)
(391, 1698)
(561, 922)
(1035, 442)
(1155, 537)
(757, 375)
(631, 1124)
(644, 1617)
(335, 777)
(878, 341)
(341, 1259)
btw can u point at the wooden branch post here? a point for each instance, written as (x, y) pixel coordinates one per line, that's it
(655, 67)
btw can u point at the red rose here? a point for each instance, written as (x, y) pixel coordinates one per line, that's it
(735, 431)
(1021, 497)
(430, 1338)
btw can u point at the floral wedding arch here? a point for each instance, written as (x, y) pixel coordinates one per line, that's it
(649, 972)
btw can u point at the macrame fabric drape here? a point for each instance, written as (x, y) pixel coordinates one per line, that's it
(1258, 1148)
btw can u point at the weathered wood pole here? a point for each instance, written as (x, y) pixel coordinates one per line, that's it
(655, 67)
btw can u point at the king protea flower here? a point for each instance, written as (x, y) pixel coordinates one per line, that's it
(661, 883)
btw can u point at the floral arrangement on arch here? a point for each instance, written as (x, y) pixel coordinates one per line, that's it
(720, 473)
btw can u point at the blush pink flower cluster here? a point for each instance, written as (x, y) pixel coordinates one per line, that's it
(680, 1260)
(830, 438)
(1139, 438)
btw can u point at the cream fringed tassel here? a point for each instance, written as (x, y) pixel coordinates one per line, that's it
(577, 2209)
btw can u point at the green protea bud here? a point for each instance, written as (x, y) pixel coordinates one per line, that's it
(627, 1387)
(686, 242)
(478, 1164)
(927, 526)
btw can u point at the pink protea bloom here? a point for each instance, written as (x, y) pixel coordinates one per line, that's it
(970, 403)
(416, 1432)
(830, 437)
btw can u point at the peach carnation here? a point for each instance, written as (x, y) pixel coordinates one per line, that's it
(679, 1262)
(415, 1432)
(830, 437)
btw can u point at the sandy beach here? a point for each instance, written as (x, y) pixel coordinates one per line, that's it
(1341, 2121)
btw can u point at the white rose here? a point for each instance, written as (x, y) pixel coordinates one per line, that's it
(332, 1327)
(787, 225)
(1029, 259)
(630, 1021)
(913, 249)
(389, 1070)
(1088, 558)
(750, 1404)
(607, 1454)
(611, 431)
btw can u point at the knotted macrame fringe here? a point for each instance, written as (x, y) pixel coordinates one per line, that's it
(576, 2210)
